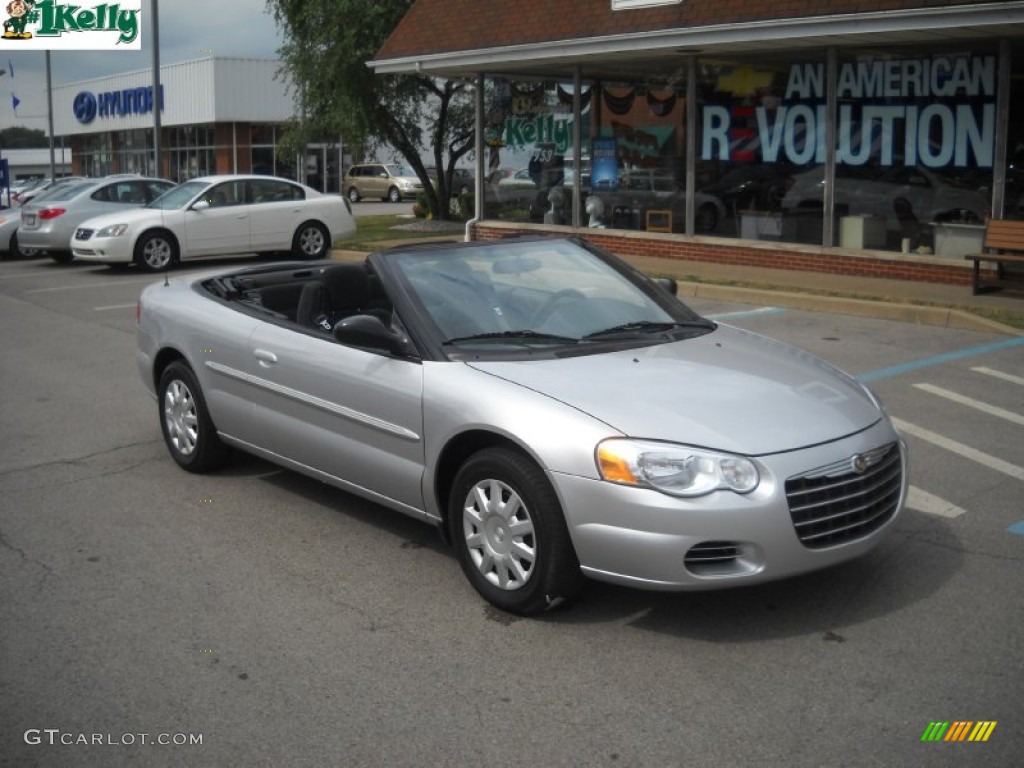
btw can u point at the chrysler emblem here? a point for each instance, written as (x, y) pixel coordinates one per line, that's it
(859, 463)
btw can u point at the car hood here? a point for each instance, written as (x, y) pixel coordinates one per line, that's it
(124, 216)
(729, 390)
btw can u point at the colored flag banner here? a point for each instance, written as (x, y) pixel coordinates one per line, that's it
(959, 730)
(38, 25)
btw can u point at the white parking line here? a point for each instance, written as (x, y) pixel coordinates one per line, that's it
(14, 276)
(1000, 375)
(992, 462)
(114, 306)
(925, 502)
(89, 285)
(970, 402)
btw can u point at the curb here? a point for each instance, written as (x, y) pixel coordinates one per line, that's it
(884, 310)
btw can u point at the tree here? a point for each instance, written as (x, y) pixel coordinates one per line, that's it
(19, 137)
(327, 46)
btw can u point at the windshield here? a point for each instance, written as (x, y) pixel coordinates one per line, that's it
(539, 293)
(179, 196)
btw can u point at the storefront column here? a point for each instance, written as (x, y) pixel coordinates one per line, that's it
(1002, 129)
(691, 145)
(577, 148)
(831, 76)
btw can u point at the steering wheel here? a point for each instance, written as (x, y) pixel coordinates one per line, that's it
(545, 310)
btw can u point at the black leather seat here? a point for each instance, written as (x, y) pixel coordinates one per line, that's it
(342, 291)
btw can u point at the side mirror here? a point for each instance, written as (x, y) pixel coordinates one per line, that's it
(369, 332)
(668, 284)
(200, 205)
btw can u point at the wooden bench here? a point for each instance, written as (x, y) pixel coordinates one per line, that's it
(1004, 244)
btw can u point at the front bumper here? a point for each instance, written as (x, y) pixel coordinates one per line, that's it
(105, 250)
(643, 538)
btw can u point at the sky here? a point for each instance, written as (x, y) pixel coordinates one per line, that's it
(189, 29)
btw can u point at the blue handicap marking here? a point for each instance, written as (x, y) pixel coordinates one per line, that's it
(1017, 528)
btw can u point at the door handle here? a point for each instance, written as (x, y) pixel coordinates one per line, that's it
(265, 357)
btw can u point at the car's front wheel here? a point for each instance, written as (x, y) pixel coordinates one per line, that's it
(311, 241)
(394, 195)
(354, 196)
(509, 532)
(156, 250)
(185, 421)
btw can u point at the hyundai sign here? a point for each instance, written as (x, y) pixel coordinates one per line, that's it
(87, 105)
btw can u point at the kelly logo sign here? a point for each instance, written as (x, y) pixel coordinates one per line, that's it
(50, 25)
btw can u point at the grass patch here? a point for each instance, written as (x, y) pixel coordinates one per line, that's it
(371, 230)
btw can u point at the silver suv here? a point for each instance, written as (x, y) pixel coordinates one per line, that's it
(387, 181)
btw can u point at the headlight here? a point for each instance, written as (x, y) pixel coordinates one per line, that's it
(114, 230)
(677, 470)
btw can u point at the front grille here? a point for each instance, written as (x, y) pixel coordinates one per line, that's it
(83, 234)
(836, 504)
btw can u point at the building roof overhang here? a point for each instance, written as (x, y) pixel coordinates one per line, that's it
(596, 56)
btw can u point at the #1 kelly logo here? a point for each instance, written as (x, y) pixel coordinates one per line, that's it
(51, 25)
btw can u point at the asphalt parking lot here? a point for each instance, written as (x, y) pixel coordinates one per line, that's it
(279, 622)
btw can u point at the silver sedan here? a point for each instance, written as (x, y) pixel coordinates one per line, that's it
(555, 413)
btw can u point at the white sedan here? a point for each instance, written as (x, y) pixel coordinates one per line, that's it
(218, 215)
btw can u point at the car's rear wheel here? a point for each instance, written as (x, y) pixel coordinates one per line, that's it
(509, 533)
(706, 218)
(156, 250)
(394, 195)
(353, 195)
(62, 257)
(311, 241)
(23, 253)
(188, 431)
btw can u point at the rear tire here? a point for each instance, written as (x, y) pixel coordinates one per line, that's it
(509, 533)
(17, 252)
(189, 433)
(706, 218)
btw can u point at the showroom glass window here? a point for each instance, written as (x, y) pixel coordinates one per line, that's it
(192, 152)
(528, 151)
(95, 155)
(635, 145)
(761, 131)
(262, 143)
(136, 152)
(915, 144)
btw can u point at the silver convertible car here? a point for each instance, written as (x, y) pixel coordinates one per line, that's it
(553, 411)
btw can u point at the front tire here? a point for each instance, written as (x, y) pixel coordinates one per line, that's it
(188, 430)
(394, 195)
(354, 196)
(509, 533)
(155, 251)
(311, 241)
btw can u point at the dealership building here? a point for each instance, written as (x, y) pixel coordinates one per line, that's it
(218, 115)
(868, 137)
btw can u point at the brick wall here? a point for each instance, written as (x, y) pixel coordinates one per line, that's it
(805, 258)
